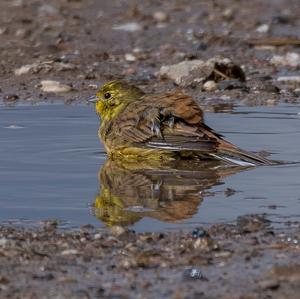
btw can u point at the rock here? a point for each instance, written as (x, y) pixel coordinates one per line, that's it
(117, 230)
(11, 98)
(210, 86)
(55, 86)
(3, 242)
(179, 72)
(160, 16)
(25, 69)
(69, 252)
(130, 27)
(192, 273)
(130, 57)
(271, 284)
(264, 28)
(97, 236)
(215, 69)
(289, 59)
(43, 66)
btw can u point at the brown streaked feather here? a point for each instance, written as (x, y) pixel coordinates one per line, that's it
(172, 122)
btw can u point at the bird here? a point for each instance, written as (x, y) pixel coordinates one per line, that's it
(163, 127)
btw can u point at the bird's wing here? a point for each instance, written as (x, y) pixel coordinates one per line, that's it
(172, 121)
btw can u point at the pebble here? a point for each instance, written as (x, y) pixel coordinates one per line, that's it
(3, 242)
(264, 28)
(192, 273)
(11, 97)
(269, 284)
(160, 16)
(130, 57)
(117, 230)
(69, 252)
(55, 86)
(25, 69)
(210, 86)
(130, 27)
(97, 236)
(289, 59)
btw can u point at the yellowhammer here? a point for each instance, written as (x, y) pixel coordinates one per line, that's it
(160, 127)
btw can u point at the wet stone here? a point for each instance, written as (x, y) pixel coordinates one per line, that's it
(192, 274)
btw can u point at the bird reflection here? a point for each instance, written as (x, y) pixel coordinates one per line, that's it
(129, 192)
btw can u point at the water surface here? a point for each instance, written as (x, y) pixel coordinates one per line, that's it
(51, 160)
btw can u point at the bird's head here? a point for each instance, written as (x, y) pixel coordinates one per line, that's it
(113, 96)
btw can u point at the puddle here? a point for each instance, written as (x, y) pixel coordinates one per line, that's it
(53, 166)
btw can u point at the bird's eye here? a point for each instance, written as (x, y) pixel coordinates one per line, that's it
(107, 95)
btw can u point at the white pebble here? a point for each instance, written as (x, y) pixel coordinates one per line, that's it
(160, 16)
(264, 28)
(130, 57)
(69, 252)
(54, 86)
(130, 27)
(209, 86)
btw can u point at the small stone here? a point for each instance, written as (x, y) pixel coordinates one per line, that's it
(117, 230)
(93, 86)
(11, 98)
(210, 86)
(3, 242)
(130, 27)
(271, 284)
(69, 252)
(264, 28)
(97, 236)
(290, 59)
(25, 69)
(54, 86)
(160, 16)
(130, 57)
(192, 273)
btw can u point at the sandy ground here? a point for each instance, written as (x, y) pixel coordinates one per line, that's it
(81, 44)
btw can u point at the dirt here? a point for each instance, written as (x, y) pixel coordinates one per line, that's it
(85, 43)
(82, 44)
(249, 259)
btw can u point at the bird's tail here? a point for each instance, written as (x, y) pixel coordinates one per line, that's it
(232, 154)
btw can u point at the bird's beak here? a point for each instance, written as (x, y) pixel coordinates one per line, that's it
(92, 99)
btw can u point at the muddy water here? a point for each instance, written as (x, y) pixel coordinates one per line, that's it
(53, 166)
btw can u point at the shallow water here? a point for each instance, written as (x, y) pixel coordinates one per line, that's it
(50, 158)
